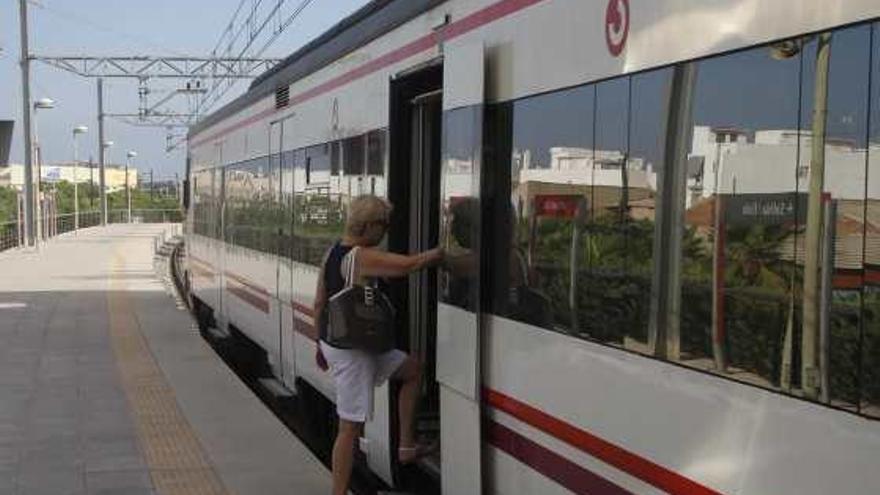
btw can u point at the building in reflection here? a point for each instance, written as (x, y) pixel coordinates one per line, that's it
(597, 175)
(741, 161)
(737, 163)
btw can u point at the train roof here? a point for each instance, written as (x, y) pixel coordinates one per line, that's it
(371, 21)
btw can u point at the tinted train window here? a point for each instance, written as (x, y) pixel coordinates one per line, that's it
(539, 157)
(581, 207)
(376, 146)
(318, 210)
(575, 242)
(250, 210)
(736, 297)
(461, 219)
(204, 203)
(870, 322)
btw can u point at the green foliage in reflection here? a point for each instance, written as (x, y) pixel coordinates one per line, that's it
(762, 298)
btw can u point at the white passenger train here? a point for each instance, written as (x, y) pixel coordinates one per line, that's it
(573, 341)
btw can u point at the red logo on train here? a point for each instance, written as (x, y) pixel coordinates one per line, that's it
(617, 26)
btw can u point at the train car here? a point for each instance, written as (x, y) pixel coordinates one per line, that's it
(662, 226)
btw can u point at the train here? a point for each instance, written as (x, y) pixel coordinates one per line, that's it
(625, 191)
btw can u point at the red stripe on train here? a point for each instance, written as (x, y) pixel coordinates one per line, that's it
(247, 283)
(628, 462)
(549, 463)
(458, 28)
(240, 290)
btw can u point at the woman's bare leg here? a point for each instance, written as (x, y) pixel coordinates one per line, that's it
(343, 455)
(410, 373)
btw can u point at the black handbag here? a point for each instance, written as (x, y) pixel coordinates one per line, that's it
(360, 316)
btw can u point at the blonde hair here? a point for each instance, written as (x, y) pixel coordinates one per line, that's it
(364, 210)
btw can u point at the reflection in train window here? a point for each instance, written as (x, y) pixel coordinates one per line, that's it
(460, 234)
(844, 202)
(204, 203)
(737, 274)
(318, 207)
(250, 213)
(580, 217)
(376, 145)
(353, 155)
(870, 316)
(581, 168)
(540, 155)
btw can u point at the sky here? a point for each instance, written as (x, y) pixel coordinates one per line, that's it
(123, 27)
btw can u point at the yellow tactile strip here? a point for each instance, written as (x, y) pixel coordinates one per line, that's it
(178, 465)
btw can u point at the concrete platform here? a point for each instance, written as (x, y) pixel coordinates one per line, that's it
(106, 387)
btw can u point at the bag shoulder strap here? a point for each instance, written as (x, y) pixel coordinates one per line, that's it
(352, 266)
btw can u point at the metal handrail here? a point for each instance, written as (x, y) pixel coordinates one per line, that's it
(11, 232)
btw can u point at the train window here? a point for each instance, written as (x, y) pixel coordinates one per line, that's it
(250, 212)
(573, 249)
(376, 151)
(203, 203)
(615, 296)
(540, 156)
(460, 231)
(353, 155)
(870, 352)
(742, 216)
(844, 214)
(318, 209)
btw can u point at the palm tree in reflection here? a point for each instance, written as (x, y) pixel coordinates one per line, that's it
(753, 257)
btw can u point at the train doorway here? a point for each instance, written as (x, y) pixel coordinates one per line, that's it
(415, 130)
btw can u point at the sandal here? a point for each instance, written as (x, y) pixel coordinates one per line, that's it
(409, 455)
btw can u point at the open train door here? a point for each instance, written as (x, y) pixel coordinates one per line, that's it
(458, 311)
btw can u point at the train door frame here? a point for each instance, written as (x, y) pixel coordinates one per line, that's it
(407, 89)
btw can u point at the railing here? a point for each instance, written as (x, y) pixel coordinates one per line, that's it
(12, 233)
(145, 216)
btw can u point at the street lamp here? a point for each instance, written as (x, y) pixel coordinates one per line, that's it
(80, 129)
(102, 184)
(41, 104)
(813, 377)
(129, 156)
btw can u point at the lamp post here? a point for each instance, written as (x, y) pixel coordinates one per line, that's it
(105, 148)
(80, 129)
(41, 104)
(812, 290)
(129, 156)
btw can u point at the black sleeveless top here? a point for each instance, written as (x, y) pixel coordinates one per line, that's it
(333, 279)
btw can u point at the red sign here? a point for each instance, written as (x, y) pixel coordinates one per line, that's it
(557, 205)
(617, 26)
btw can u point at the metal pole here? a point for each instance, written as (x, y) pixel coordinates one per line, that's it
(127, 189)
(101, 183)
(75, 185)
(664, 325)
(18, 220)
(151, 186)
(813, 236)
(718, 273)
(26, 117)
(827, 294)
(38, 160)
(91, 183)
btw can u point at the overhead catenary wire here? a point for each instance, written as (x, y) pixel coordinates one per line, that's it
(79, 20)
(219, 90)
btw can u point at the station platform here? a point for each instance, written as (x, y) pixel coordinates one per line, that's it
(107, 388)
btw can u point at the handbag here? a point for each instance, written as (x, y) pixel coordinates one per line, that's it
(360, 316)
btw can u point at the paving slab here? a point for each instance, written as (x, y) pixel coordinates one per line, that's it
(107, 388)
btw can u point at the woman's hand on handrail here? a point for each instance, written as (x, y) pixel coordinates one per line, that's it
(377, 263)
